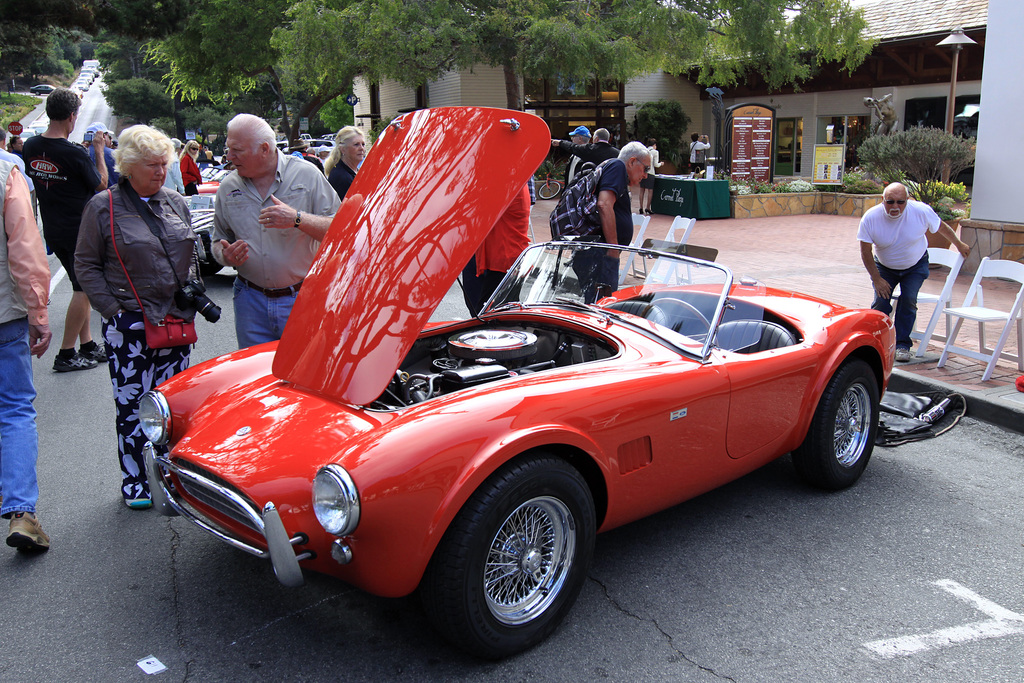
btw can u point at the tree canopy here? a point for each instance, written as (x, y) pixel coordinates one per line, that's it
(309, 51)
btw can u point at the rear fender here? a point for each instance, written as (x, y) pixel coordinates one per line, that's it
(873, 345)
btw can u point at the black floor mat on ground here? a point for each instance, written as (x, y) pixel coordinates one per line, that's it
(912, 417)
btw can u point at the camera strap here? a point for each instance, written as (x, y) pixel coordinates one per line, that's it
(151, 222)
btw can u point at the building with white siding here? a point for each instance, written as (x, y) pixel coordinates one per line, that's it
(906, 64)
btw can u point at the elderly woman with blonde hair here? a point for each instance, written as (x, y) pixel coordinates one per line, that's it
(135, 251)
(341, 166)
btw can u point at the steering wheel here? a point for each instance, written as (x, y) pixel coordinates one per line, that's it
(680, 312)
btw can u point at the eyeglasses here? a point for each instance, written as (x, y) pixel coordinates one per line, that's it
(890, 202)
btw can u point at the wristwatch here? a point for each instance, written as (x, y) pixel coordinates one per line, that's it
(298, 218)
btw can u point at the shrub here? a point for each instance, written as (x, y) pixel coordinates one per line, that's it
(556, 169)
(955, 191)
(799, 186)
(923, 154)
(944, 207)
(754, 186)
(138, 99)
(378, 128)
(666, 121)
(861, 186)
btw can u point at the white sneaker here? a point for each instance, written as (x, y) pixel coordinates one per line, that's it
(903, 354)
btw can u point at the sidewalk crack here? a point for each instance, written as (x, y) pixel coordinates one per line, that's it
(179, 628)
(614, 603)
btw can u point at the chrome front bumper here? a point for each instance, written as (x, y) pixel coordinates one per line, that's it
(280, 548)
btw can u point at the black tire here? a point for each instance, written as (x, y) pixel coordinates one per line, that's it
(537, 498)
(842, 433)
(549, 189)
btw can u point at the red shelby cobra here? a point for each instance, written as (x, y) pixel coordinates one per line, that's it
(476, 460)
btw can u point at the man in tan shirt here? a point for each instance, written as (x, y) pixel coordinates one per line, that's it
(24, 332)
(270, 216)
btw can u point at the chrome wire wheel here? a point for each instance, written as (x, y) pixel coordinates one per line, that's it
(528, 560)
(853, 425)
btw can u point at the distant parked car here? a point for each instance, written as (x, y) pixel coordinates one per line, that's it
(211, 179)
(321, 142)
(41, 89)
(201, 210)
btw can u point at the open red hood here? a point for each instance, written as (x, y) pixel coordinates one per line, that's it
(426, 196)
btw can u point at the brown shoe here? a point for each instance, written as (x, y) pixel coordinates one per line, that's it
(26, 533)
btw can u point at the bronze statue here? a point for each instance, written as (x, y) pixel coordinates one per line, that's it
(887, 117)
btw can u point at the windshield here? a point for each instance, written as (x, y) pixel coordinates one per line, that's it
(679, 298)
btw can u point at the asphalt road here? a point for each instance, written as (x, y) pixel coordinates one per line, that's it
(94, 108)
(761, 580)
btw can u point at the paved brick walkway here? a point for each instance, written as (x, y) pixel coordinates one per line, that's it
(820, 255)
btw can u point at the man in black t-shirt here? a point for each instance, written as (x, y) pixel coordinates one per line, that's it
(65, 179)
(598, 269)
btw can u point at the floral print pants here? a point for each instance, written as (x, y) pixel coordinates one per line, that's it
(135, 369)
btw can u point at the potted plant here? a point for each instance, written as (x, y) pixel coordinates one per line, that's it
(944, 208)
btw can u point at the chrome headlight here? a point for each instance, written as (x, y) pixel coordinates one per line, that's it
(335, 500)
(155, 417)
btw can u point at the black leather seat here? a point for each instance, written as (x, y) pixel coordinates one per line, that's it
(642, 309)
(752, 336)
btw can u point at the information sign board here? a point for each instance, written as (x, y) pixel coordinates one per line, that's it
(752, 130)
(828, 164)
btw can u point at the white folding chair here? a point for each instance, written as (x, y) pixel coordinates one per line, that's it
(952, 260)
(974, 309)
(680, 222)
(639, 228)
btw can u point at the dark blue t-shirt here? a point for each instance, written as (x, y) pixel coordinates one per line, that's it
(614, 178)
(108, 158)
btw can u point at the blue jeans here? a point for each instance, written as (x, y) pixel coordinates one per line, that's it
(910, 281)
(258, 318)
(19, 441)
(597, 273)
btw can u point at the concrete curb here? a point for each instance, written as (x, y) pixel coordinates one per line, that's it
(991, 409)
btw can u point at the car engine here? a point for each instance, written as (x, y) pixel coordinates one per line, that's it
(442, 363)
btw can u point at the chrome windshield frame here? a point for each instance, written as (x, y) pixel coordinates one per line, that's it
(535, 263)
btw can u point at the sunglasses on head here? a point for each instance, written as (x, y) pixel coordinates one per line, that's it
(890, 202)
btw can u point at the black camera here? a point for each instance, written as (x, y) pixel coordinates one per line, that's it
(193, 295)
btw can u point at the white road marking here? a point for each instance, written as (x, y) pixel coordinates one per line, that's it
(1003, 623)
(57, 277)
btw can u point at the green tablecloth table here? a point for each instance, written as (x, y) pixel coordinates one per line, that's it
(691, 198)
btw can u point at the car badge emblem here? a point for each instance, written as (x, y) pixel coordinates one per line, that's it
(243, 431)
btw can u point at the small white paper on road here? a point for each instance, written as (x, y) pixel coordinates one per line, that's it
(151, 665)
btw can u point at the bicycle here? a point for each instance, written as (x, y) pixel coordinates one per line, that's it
(550, 188)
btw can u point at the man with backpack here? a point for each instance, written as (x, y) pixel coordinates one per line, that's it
(597, 208)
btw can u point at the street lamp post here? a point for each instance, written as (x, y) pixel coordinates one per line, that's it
(955, 40)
